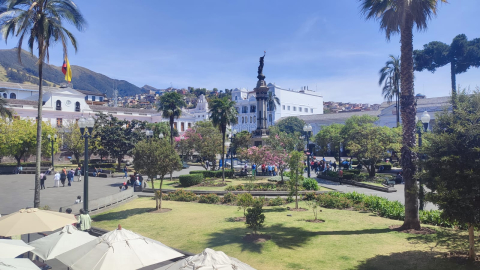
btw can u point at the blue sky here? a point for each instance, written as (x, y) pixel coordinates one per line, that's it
(325, 45)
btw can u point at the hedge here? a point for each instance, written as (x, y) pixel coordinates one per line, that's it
(213, 174)
(189, 180)
(27, 164)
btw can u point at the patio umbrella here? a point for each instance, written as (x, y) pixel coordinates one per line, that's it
(12, 248)
(17, 264)
(209, 259)
(33, 220)
(120, 250)
(60, 242)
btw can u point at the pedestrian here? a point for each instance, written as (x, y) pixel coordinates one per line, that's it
(84, 221)
(64, 170)
(334, 165)
(245, 167)
(263, 168)
(206, 164)
(79, 174)
(63, 177)
(49, 171)
(56, 178)
(43, 177)
(69, 211)
(125, 171)
(78, 200)
(70, 176)
(254, 168)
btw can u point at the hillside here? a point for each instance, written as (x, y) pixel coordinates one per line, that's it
(84, 79)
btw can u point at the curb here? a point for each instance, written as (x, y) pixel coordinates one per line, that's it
(354, 183)
(254, 193)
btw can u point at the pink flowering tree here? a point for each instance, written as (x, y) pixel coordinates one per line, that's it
(267, 155)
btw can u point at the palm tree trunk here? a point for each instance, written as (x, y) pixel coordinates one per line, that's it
(223, 156)
(408, 120)
(36, 200)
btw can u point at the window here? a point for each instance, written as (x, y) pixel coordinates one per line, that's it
(299, 109)
(270, 118)
(244, 109)
(100, 98)
(238, 110)
(311, 110)
(254, 119)
(189, 125)
(253, 108)
(13, 96)
(77, 106)
(4, 95)
(243, 120)
(86, 97)
(59, 122)
(182, 126)
(59, 105)
(236, 98)
(288, 108)
(175, 125)
(283, 107)
(294, 109)
(93, 98)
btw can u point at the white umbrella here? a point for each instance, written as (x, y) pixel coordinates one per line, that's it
(120, 250)
(209, 259)
(60, 242)
(12, 248)
(17, 264)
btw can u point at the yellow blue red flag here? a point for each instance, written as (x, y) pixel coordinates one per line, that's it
(67, 71)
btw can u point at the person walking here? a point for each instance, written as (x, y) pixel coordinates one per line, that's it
(70, 176)
(254, 168)
(125, 171)
(56, 178)
(79, 174)
(43, 177)
(84, 221)
(63, 177)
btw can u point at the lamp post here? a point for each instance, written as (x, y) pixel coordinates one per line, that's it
(232, 136)
(86, 123)
(308, 128)
(425, 120)
(51, 142)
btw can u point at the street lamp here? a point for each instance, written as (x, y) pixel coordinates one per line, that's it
(51, 141)
(232, 136)
(86, 123)
(308, 128)
(425, 120)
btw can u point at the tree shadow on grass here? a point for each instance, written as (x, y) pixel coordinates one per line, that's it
(418, 260)
(367, 231)
(274, 209)
(453, 240)
(121, 214)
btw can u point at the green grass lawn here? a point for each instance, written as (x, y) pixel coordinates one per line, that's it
(347, 240)
(167, 184)
(373, 184)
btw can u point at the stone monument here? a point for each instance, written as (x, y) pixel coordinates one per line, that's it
(261, 94)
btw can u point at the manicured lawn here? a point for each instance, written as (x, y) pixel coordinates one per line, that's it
(373, 184)
(347, 240)
(174, 184)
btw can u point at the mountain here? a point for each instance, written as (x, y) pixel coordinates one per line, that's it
(82, 78)
(147, 88)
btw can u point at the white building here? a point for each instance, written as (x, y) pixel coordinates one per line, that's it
(292, 103)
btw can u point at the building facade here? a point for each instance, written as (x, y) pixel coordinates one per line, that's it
(292, 103)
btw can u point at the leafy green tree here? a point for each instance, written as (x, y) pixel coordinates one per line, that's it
(154, 157)
(41, 22)
(329, 139)
(353, 123)
(207, 142)
(171, 105)
(291, 125)
(399, 17)
(452, 164)
(390, 78)
(222, 114)
(244, 200)
(295, 163)
(73, 140)
(370, 143)
(282, 140)
(461, 54)
(255, 217)
(241, 140)
(4, 112)
(119, 137)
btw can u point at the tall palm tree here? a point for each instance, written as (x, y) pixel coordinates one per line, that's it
(390, 78)
(41, 23)
(4, 112)
(272, 101)
(171, 105)
(399, 17)
(222, 114)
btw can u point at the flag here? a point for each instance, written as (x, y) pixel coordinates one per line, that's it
(67, 71)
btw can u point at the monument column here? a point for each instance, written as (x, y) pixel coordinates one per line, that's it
(261, 94)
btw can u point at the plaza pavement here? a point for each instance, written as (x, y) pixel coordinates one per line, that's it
(17, 191)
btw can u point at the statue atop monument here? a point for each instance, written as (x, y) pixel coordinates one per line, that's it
(260, 67)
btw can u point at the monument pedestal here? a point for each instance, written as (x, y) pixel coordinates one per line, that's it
(258, 136)
(261, 94)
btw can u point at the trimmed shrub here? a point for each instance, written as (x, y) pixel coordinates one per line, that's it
(275, 202)
(310, 196)
(182, 195)
(189, 180)
(331, 201)
(244, 201)
(210, 198)
(213, 174)
(229, 198)
(230, 188)
(255, 217)
(310, 184)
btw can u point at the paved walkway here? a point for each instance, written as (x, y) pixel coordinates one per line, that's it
(17, 191)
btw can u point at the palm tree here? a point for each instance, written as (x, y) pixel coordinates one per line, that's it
(171, 105)
(390, 78)
(40, 21)
(271, 100)
(4, 112)
(222, 114)
(399, 17)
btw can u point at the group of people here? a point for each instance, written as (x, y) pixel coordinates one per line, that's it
(62, 176)
(265, 169)
(136, 179)
(321, 166)
(84, 222)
